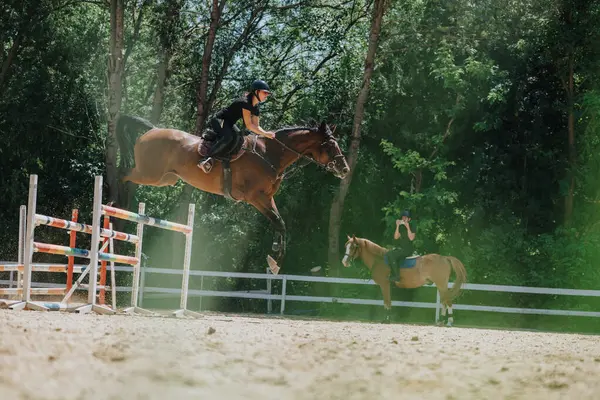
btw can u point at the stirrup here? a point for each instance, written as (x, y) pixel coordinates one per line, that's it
(206, 165)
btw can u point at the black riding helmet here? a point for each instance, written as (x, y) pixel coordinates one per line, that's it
(260, 85)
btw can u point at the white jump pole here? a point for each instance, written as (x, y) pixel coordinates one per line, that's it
(113, 280)
(95, 243)
(21, 250)
(135, 284)
(28, 249)
(185, 280)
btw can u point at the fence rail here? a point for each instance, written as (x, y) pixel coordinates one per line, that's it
(283, 297)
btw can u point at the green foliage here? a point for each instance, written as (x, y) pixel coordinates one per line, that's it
(466, 124)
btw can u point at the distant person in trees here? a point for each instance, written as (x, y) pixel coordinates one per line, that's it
(223, 122)
(403, 246)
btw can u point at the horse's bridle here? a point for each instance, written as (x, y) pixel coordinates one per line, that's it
(353, 246)
(329, 167)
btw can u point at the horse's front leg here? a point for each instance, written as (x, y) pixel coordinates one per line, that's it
(279, 243)
(268, 208)
(387, 302)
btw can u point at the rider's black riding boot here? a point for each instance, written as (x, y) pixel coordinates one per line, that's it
(206, 163)
(394, 273)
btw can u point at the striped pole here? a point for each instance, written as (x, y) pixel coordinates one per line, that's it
(144, 219)
(74, 226)
(83, 253)
(44, 291)
(37, 267)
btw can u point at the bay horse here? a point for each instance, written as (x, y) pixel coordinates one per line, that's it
(163, 156)
(428, 268)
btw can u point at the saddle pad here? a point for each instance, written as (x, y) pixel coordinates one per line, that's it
(409, 262)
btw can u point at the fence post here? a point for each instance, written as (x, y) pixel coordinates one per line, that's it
(269, 285)
(201, 289)
(142, 284)
(437, 305)
(283, 290)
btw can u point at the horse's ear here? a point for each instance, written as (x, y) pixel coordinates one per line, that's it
(353, 237)
(323, 126)
(332, 127)
(348, 236)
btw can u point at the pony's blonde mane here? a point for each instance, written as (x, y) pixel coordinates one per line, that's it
(372, 247)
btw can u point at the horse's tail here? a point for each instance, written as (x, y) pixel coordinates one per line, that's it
(461, 275)
(127, 131)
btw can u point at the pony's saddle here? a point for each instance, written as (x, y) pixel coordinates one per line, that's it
(230, 153)
(409, 262)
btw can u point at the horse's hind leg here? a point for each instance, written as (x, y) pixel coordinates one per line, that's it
(446, 305)
(446, 301)
(135, 176)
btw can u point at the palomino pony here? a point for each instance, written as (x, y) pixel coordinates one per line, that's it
(254, 174)
(429, 268)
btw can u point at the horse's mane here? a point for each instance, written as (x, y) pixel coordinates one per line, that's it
(372, 247)
(293, 129)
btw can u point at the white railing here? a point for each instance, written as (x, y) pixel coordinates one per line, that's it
(283, 297)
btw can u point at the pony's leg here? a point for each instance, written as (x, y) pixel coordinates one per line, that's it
(446, 305)
(387, 301)
(450, 318)
(443, 313)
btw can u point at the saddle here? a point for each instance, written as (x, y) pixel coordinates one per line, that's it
(408, 262)
(232, 152)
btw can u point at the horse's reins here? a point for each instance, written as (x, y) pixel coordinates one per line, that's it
(329, 167)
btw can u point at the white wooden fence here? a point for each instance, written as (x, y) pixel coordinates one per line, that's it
(283, 297)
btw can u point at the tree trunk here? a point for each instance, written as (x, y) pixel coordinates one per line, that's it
(169, 38)
(12, 53)
(161, 84)
(337, 205)
(115, 79)
(215, 17)
(571, 143)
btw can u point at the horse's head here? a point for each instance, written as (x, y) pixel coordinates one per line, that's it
(327, 152)
(352, 250)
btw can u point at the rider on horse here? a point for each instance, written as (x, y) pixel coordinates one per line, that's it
(223, 122)
(405, 233)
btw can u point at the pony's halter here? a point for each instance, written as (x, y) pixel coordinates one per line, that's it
(354, 248)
